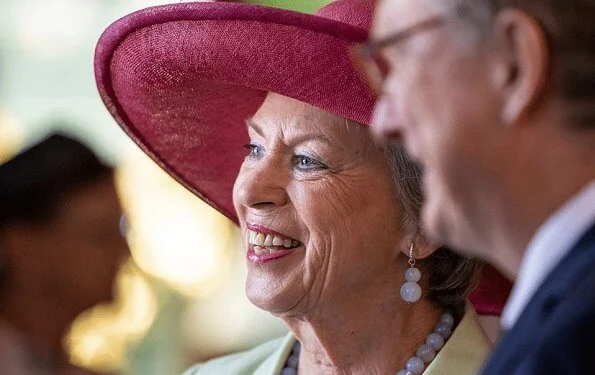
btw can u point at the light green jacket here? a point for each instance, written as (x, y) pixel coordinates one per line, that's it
(463, 354)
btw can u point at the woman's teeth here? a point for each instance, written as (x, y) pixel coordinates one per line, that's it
(263, 242)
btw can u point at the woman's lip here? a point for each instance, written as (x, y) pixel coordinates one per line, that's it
(260, 229)
(263, 258)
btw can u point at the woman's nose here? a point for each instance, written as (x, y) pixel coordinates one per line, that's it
(262, 184)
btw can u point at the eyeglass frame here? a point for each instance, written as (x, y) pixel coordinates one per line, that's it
(364, 53)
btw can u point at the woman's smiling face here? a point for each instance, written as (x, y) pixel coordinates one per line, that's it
(317, 207)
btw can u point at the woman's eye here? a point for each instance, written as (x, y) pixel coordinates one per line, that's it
(304, 162)
(254, 151)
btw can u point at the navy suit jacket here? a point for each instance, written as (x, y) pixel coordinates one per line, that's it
(555, 334)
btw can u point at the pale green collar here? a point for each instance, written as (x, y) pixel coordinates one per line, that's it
(463, 354)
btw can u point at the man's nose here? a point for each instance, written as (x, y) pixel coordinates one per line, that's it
(386, 122)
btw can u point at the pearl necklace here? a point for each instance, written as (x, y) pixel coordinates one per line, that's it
(414, 365)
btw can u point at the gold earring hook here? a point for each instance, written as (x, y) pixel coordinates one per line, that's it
(411, 259)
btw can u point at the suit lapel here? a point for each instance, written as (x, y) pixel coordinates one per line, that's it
(556, 289)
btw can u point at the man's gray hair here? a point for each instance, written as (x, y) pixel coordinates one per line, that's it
(569, 26)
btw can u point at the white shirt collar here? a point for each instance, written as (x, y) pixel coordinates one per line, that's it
(554, 239)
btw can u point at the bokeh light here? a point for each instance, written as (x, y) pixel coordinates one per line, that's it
(99, 338)
(173, 235)
(11, 136)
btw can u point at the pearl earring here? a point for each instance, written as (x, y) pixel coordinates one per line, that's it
(410, 290)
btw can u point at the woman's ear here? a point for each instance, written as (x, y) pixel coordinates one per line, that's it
(418, 245)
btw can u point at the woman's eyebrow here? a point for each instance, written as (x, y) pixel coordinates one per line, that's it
(309, 137)
(302, 138)
(254, 126)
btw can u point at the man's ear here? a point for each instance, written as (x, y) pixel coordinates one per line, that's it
(519, 64)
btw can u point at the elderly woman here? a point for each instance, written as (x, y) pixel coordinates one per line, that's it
(330, 219)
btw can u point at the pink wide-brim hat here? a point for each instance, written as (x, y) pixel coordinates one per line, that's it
(181, 80)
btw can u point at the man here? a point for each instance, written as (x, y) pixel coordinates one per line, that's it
(60, 250)
(497, 100)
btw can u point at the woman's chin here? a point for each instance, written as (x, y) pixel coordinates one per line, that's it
(273, 300)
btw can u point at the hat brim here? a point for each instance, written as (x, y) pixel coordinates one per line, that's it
(181, 79)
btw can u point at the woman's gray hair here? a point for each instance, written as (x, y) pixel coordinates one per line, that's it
(451, 277)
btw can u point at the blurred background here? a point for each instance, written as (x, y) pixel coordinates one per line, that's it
(181, 295)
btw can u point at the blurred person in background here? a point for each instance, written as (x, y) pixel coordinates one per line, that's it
(497, 100)
(60, 250)
(330, 220)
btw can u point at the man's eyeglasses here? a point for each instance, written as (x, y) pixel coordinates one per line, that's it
(366, 55)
